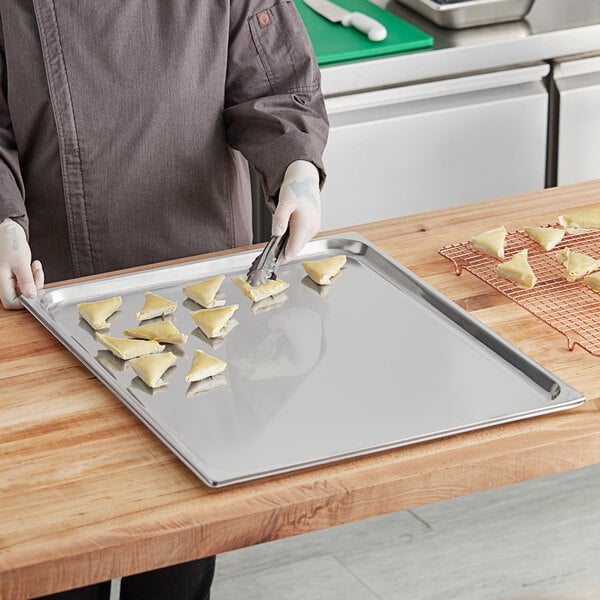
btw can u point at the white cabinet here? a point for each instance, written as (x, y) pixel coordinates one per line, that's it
(578, 112)
(430, 145)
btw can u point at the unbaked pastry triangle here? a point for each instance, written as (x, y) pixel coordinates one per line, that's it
(593, 281)
(322, 271)
(204, 365)
(215, 322)
(518, 270)
(96, 313)
(151, 368)
(491, 242)
(577, 264)
(205, 292)
(546, 237)
(155, 306)
(257, 292)
(163, 331)
(125, 348)
(588, 218)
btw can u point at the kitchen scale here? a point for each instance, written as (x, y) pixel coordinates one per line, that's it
(458, 14)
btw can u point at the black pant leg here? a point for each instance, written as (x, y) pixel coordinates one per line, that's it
(96, 591)
(186, 581)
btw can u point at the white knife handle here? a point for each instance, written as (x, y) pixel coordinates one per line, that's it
(375, 31)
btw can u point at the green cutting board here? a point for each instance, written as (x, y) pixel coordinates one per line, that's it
(335, 43)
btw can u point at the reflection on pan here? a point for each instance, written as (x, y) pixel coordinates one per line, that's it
(113, 364)
(111, 320)
(269, 303)
(197, 388)
(212, 342)
(322, 290)
(177, 349)
(138, 384)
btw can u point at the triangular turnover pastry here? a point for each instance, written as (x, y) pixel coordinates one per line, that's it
(588, 218)
(204, 365)
(155, 306)
(215, 322)
(546, 237)
(257, 292)
(205, 292)
(577, 264)
(322, 271)
(125, 348)
(163, 331)
(491, 242)
(518, 270)
(96, 313)
(151, 368)
(593, 281)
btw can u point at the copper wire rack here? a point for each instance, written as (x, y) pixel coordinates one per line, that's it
(573, 309)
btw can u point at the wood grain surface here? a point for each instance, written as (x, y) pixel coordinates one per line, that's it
(88, 493)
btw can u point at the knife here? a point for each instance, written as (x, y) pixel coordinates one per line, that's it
(375, 31)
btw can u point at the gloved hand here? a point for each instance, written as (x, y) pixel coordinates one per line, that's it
(18, 275)
(300, 205)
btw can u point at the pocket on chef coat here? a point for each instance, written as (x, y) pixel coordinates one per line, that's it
(284, 49)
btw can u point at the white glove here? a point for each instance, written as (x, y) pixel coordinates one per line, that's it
(300, 205)
(18, 275)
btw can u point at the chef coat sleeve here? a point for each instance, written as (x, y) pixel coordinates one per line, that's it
(12, 191)
(274, 110)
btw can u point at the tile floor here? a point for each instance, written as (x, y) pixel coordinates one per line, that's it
(536, 540)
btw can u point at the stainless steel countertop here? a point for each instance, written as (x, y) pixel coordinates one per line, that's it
(552, 29)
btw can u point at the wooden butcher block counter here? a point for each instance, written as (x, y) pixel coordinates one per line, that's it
(89, 494)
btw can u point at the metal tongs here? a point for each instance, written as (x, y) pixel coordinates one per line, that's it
(263, 267)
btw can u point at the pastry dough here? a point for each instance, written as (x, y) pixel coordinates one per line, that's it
(589, 218)
(125, 348)
(264, 290)
(205, 292)
(518, 270)
(593, 281)
(96, 313)
(546, 237)
(215, 322)
(491, 242)
(204, 365)
(155, 306)
(577, 264)
(322, 271)
(163, 331)
(152, 367)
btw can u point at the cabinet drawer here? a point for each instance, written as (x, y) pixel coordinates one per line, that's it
(578, 143)
(433, 145)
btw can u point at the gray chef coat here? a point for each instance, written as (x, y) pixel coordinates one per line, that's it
(122, 123)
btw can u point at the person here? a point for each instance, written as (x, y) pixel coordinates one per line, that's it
(126, 130)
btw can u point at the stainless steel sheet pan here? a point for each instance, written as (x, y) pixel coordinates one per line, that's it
(459, 14)
(377, 360)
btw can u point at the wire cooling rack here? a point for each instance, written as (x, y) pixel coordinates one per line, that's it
(573, 309)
